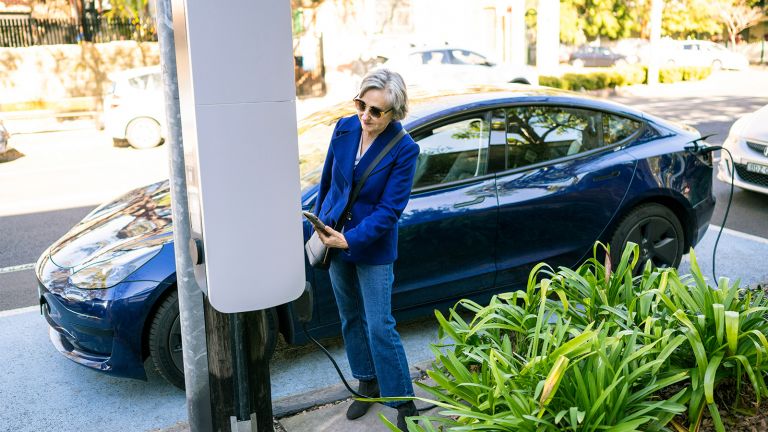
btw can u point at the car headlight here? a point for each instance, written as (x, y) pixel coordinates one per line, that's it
(108, 271)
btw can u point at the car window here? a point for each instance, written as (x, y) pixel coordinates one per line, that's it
(139, 82)
(616, 128)
(465, 57)
(452, 152)
(433, 57)
(537, 134)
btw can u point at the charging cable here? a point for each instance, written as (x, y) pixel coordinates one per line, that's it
(341, 374)
(698, 147)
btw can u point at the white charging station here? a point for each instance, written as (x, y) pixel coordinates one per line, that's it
(240, 150)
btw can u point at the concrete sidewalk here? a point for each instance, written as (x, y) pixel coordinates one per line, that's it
(332, 417)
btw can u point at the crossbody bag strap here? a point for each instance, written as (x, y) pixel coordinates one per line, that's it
(359, 185)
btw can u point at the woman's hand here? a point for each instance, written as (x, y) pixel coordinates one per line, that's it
(332, 238)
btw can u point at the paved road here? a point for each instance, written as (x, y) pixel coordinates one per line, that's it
(55, 186)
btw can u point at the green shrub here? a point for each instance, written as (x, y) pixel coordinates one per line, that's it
(597, 348)
(625, 75)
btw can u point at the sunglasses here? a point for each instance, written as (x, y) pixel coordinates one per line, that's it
(374, 112)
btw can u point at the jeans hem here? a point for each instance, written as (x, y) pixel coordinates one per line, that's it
(364, 377)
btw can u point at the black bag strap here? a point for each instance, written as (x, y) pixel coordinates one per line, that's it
(359, 185)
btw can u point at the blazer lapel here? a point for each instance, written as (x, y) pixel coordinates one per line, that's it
(345, 144)
(376, 147)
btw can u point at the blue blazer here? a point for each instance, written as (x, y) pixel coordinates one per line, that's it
(372, 231)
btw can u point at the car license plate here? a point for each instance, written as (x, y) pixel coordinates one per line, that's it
(757, 168)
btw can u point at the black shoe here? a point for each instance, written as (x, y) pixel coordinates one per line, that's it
(358, 408)
(407, 409)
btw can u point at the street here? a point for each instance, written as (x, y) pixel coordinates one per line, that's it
(65, 174)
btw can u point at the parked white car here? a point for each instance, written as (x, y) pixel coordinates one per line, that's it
(134, 109)
(701, 53)
(748, 143)
(4, 136)
(448, 66)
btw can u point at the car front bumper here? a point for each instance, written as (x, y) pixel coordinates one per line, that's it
(742, 177)
(96, 329)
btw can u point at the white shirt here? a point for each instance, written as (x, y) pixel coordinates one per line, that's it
(360, 152)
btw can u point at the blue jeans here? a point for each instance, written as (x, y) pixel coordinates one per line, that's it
(374, 350)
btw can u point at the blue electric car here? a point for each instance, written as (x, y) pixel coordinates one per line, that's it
(506, 178)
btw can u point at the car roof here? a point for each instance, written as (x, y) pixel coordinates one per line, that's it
(432, 103)
(425, 105)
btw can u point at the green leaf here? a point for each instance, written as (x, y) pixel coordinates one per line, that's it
(732, 330)
(718, 311)
(710, 377)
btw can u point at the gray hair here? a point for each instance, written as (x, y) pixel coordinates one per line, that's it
(393, 86)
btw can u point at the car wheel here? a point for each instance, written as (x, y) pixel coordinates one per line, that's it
(656, 230)
(165, 341)
(165, 347)
(520, 81)
(621, 63)
(143, 133)
(717, 65)
(579, 63)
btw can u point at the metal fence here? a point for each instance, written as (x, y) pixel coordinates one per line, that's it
(27, 31)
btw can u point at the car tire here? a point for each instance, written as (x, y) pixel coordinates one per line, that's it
(717, 65)
(143, 133)
(579, 63)
(520, 81)
(620, 63)
(165, 339)
(657, 231)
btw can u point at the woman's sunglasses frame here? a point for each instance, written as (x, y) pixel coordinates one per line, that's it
(374, 112)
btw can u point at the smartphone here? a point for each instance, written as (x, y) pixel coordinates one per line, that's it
(314, 220)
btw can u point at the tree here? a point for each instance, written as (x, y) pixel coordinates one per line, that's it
(737, 15)
(581, 20)
(134, 9)
(685, 18)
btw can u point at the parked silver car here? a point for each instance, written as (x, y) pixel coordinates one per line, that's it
(134, 110)
(448, 66)
(748, 143)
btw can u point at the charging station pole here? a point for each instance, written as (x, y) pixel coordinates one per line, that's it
(237, 102)
(190, 296)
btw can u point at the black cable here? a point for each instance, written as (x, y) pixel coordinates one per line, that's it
(338, 370)
(727, 209)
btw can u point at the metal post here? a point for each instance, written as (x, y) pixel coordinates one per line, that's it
(191, 307)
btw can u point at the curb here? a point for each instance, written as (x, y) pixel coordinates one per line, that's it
(307, 401)
(288, 406)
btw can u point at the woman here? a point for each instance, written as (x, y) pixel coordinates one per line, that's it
(366, 247)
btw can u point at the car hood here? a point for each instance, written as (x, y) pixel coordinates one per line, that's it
(755, 125)
(141, 218)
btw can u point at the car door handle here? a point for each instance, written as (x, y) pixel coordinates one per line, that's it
(477, 200)
(606, 176)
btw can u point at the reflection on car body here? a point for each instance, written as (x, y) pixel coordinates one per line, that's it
(507, 177)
